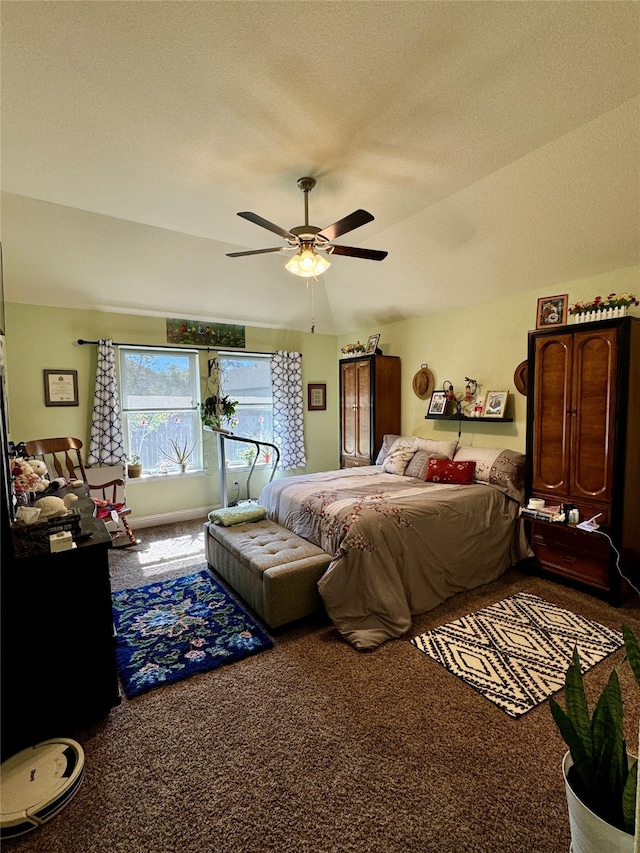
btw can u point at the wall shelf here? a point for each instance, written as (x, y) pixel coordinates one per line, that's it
(467, 418)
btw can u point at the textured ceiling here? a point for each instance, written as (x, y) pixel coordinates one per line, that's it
(497, 144)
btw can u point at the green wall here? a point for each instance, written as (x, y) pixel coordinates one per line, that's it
(485, 341)
(40, 338)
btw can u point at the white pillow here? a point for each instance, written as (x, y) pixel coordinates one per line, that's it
(444, 449)
(400, 452)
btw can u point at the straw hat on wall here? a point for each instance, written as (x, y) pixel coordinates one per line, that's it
(423, 383)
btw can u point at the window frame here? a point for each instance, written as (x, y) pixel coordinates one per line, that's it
(191, 412)
(240, 447)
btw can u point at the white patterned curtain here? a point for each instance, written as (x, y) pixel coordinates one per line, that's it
(288, 411)
(106, 446)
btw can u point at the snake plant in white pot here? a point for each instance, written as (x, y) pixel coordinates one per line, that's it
(600, 775)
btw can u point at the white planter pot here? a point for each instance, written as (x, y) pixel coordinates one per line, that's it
(589, 833)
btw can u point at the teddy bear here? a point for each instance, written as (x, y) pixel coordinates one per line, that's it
(39, 469)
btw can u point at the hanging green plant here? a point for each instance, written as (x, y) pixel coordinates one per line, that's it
(216, 411)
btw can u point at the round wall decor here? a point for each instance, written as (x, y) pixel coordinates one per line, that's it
(520, 377)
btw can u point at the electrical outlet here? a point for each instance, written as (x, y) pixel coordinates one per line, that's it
(236, 484)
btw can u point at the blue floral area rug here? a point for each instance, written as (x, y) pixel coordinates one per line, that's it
(516, 652)
(173, 629)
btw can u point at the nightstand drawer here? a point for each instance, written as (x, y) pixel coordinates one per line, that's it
(572, 553)
(354, 462)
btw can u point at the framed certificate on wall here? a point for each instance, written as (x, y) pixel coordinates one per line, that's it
(61, 387)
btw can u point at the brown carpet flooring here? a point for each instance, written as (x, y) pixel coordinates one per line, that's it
(312, 747)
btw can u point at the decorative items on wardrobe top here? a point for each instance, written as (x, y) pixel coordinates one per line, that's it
(603, 308)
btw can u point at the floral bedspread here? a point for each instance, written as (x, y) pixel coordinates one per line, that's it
(400, 546)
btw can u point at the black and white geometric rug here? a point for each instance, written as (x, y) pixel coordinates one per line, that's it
(516, 652)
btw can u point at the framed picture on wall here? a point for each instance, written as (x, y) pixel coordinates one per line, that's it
(61, 387)
(552, 311)
(316, 396)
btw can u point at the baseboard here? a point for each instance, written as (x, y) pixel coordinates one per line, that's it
(173, 517)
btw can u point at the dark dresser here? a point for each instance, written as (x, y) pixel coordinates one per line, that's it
(58, 653)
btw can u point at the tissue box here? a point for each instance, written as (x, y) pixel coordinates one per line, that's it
(62, 541)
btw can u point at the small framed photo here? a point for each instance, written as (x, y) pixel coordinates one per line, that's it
(61, 387)
(316, 397)
(438, 403)
(372, 344)
(552, 311)
(495, 404)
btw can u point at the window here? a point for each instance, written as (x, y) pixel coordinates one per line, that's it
(160, 392)
(247, 379)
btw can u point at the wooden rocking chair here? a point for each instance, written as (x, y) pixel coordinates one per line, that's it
(62, 458)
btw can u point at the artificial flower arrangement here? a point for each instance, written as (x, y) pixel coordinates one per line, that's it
(349, 349)
(24, 479)
(613, 300)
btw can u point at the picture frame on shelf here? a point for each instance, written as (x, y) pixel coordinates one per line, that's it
(61, 388)
(316, 396)
(372, 344)
(438, 404)
(495, 404)
(552, 311)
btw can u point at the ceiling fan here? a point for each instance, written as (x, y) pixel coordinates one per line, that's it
(307, 240)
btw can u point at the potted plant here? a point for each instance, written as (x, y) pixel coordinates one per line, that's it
(600, 775)
(179, 454)
(134, 465)
(217, 410)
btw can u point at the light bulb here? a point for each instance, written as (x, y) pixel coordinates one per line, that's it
(307, 264)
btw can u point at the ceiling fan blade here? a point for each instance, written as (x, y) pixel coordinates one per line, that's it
(354, 220)
(253, 252)
(258, 220)
(352, 251)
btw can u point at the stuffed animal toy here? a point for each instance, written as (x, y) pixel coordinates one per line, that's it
(52, 507)
(24, 478)
(39, 469)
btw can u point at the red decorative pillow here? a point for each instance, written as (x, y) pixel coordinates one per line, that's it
(449, 471)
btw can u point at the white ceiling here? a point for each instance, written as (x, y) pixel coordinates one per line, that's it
(497, 144)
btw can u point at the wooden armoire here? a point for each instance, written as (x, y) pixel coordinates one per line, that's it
(369, 406)
(583, 447)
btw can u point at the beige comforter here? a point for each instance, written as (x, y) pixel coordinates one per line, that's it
(401, 546)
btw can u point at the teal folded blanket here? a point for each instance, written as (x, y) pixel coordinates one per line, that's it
(229, 515)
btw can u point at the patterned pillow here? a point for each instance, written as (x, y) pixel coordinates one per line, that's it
(399, 455)
(508, 473)
(484, 457)
(417, 467)
(387, 442)
(450, 471)
(435, 448)
(504, 469)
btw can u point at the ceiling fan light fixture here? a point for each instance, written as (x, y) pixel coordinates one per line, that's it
(307, 264)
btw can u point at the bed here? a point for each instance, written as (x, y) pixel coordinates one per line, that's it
(426, 521)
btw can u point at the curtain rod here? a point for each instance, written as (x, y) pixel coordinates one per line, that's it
(82, 342)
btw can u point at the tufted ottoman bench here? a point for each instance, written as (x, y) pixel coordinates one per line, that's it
(275, 571)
